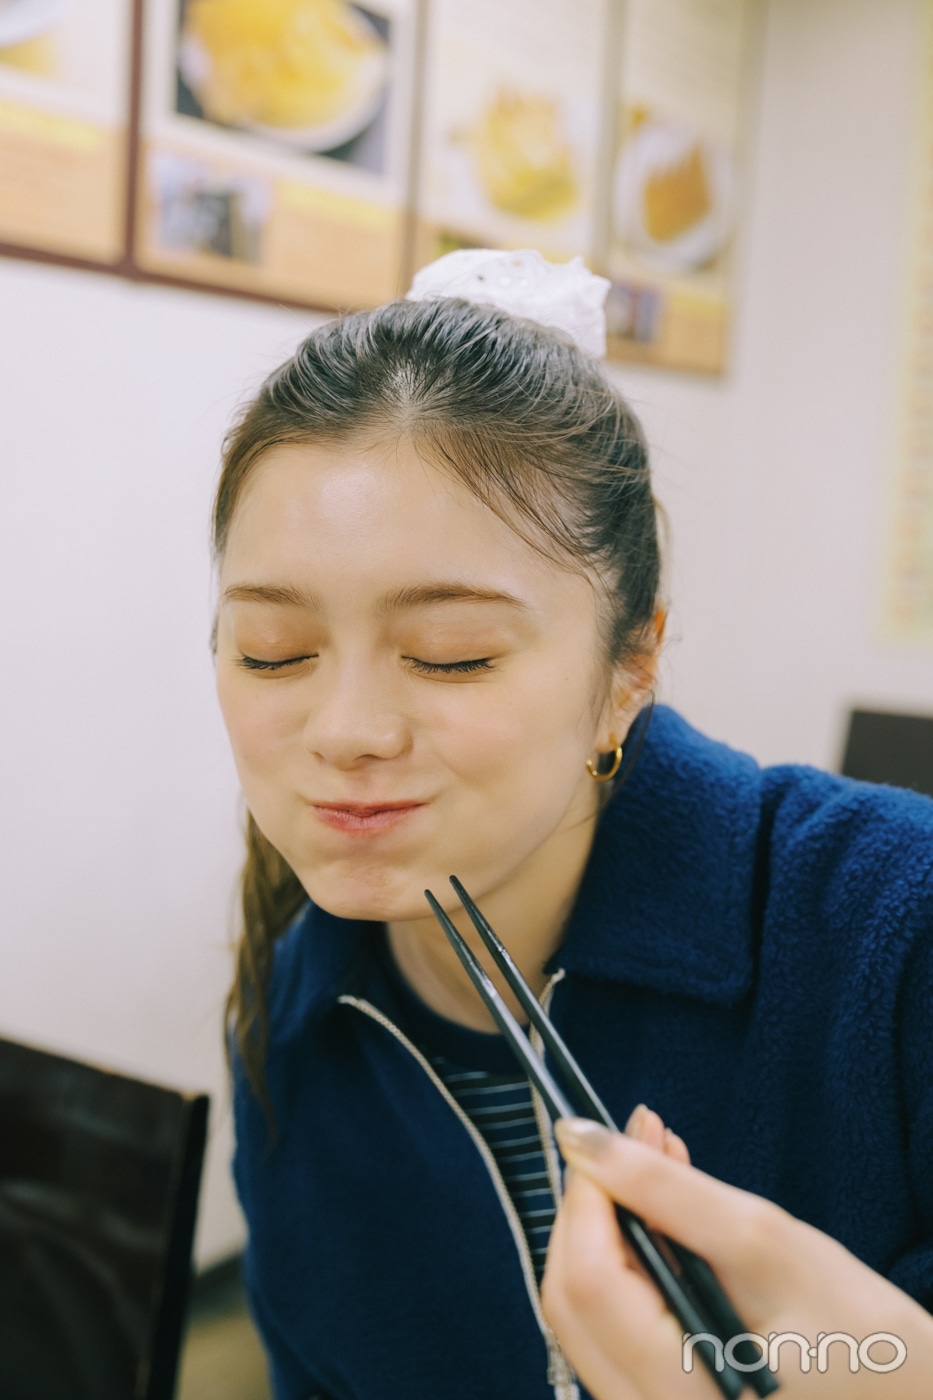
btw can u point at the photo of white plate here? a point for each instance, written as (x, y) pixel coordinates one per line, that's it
(372, 77)
(656, 148)
(21, 20)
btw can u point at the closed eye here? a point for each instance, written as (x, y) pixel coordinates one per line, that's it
(430, 668)
(252, 663)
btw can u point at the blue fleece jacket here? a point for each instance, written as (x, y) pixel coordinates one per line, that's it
(750, 953)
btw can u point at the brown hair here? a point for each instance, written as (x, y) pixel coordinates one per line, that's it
(520, 415)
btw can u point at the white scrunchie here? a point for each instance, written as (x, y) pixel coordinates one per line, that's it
(566, 296)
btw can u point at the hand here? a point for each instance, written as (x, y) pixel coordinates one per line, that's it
(781, 1274)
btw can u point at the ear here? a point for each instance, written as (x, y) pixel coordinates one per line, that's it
(632, 685)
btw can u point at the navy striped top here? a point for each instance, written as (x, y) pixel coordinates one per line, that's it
(481, 1073)
(501, 1107)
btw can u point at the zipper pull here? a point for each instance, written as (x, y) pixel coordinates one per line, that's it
(559, 1374)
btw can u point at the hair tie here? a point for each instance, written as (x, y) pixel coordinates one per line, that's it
(562, 296)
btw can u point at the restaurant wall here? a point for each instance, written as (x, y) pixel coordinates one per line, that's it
(121, 825)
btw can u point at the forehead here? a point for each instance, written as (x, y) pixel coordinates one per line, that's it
(325, 516)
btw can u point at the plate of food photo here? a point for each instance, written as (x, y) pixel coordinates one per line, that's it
(522, 158)
(307, 73)
(673, 194)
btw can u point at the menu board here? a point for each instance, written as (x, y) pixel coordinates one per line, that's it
(596, 128)
(316, 152)
(511, 125)
(673, 180)
(908, 590)
(64, 97)
(275, 140)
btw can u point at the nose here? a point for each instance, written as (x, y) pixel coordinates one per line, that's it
(355, 716)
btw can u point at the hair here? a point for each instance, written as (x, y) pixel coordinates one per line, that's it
(530, 424)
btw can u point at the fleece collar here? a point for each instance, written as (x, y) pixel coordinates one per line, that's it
(666, 902)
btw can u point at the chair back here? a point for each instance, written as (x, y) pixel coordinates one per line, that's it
(99, 1180)
(890, 748)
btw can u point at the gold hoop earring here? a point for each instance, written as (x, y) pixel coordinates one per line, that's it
(604, 777)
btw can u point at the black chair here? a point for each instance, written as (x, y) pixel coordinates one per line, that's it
(99, 1180)
(890, 748)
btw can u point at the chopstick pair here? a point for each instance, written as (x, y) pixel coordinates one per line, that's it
(685, 1281)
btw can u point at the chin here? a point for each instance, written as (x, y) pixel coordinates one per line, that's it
(376, 895)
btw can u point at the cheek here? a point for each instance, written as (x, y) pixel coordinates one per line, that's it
(478, 741)
(258, 725)
(534, 731)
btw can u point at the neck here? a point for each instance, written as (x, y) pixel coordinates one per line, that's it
(529, 913)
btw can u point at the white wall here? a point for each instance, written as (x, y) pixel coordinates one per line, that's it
(120, 838)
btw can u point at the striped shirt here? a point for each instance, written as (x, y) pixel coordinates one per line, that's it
(501, 1107)
(481, 1073)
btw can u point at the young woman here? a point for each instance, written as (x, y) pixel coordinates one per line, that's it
(436, 639)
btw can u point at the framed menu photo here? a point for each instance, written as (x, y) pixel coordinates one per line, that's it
(673, 180)
(510, 138)
(275, 142)
(64, 104)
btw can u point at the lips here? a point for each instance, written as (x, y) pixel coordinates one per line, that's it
(365, 809)
(362, 817)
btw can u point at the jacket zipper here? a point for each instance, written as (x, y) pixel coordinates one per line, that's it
(545, 1128)
(559, 1374)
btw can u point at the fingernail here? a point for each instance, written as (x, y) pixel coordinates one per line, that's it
(636, 1119)
(582, 1137)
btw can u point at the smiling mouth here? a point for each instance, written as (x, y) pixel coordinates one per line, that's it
(364, 817)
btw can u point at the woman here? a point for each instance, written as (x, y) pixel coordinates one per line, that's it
(439, 620)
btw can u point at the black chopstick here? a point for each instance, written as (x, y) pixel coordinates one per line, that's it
(647, 1248)
(558, 1106)
(590, 1104)
(700, 1278)
(695, 1297)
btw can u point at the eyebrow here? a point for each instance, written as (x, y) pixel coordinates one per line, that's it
(423, 595)
(270, 593)
(412, 596)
